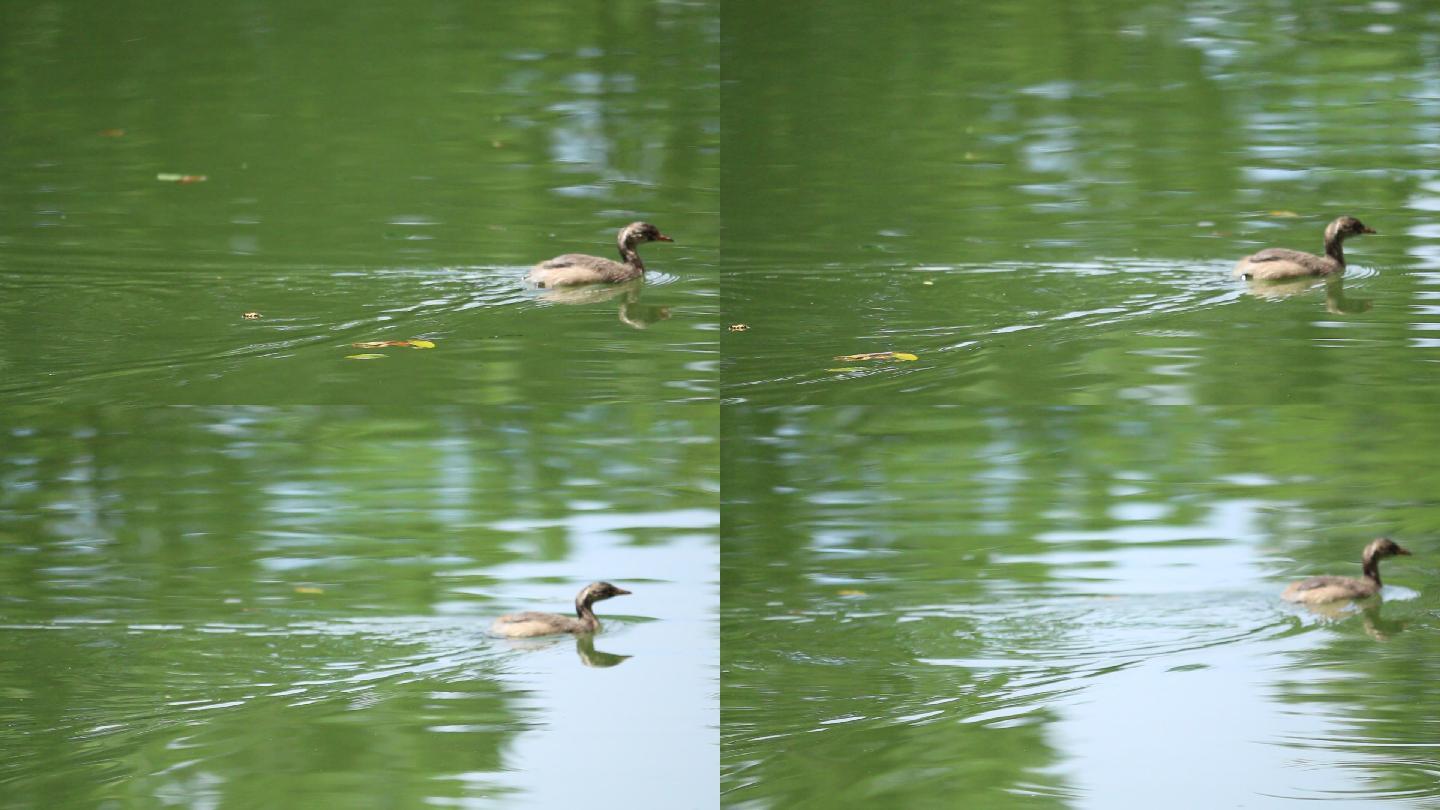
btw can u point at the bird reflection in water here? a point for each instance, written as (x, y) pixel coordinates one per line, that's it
(584, 649)
(1336, 301)
(633, 313)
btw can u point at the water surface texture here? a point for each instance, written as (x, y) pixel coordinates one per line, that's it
(385, 173)
(1044, 202)
(286, 608)
(1076, 608)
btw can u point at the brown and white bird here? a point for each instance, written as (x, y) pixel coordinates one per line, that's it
(1318, 590)
(578, 268)
(531, 623)
(1274, 264)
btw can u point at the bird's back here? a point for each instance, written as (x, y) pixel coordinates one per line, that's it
(1329, 589)
(578, 268)
(531, 623)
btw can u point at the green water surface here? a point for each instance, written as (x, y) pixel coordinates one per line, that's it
(289, 608)
(1076, 607)
(1043, 202)
(1037, 565)
(374, 172)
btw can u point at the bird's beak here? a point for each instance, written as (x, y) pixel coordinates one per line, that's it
(1402, 550)
(1368, 230)
(663, 238)
(623, 592)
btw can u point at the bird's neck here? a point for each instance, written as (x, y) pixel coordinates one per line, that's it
(587, 616)
(1335, 248)
(630, 255)
(1371, 568)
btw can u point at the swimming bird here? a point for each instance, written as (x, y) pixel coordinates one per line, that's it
(578, 268)
(531, 623)
(1279, 263)
(1317, 590)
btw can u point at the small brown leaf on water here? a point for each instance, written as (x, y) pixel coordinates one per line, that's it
(252, 316)
(739, 327)
(112, 133)
(1284, 214)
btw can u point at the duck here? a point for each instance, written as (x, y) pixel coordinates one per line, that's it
(531, 623)
(1318, 590)
(578, 268)
(1279, 263)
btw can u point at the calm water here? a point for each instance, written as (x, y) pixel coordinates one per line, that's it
(1005, 573)
(1044, 203)
(1075, 608)
(277, 608)
(389, 173)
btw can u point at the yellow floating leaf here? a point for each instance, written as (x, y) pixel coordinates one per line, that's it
(878, 356)
(252, 316)
(852, 592)
(1283, 213)
(845, 369)
(928, 283)
(308, 589)
(166, 177)
(384, 344)
(739, 327)
(364, 356)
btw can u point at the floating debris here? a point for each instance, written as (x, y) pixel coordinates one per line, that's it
(182, 179)
(381, 344)
(850, 358)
